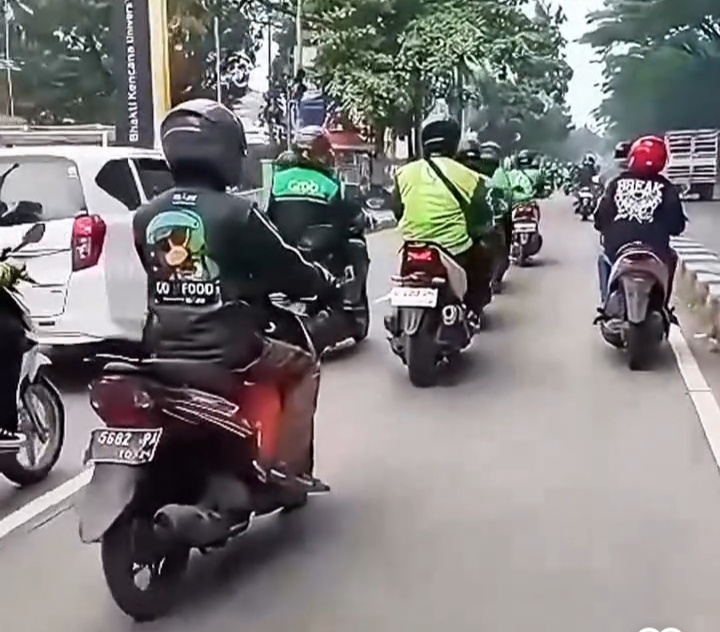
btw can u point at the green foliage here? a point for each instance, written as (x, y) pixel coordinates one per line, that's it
(662, 67)
(384, 60)
(65, 53)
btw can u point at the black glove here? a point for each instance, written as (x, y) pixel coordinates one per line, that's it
(331, 292)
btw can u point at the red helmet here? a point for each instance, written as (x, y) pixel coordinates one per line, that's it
(648, 155)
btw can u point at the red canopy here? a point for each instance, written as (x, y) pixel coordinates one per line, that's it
(348, 140)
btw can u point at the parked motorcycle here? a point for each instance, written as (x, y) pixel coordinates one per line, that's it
(175, 470)
(41, 412)
(527, 240)
(586, 202)
(329, 328)
(635, 316)
(428, 326)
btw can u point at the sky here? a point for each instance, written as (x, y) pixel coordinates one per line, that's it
(584, 95)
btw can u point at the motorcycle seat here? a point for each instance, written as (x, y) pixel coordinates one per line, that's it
(197, 374)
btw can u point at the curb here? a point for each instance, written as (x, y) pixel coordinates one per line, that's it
(697, 283)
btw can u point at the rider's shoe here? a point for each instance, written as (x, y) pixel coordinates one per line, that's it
(10, 440)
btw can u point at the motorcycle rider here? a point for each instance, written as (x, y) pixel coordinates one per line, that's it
(428, 208)
(526, 180)
(12, 340)
(640, 205)
(307, 193)
(211, 261)
(585, 177)
(486, 158)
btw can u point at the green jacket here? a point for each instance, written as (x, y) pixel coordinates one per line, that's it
(501, 193)
(524, 184)
(427, 211)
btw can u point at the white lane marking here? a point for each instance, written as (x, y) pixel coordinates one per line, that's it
(701, 396)
(41, 504)
(382, 299)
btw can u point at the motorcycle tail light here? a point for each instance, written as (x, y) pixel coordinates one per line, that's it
(122, 402)
(422, 259)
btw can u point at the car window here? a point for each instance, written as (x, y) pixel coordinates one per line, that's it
(116, 179)
(154, 175)
(38, 188)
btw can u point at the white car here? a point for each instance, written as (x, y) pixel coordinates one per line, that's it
(91, 289)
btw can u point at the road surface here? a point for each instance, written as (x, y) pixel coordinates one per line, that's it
(704, 224)
(542, 487)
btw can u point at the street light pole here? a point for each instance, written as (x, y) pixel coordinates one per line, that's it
(298, 36)
(8, 64)
(218, 66)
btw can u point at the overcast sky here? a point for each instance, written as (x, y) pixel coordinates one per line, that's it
(584, 91)
(584, 94)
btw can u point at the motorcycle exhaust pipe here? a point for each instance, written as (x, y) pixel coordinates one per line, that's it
(190, 525)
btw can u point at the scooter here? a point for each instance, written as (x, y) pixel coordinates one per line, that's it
(41, 412)
(635, 316)
(175, 469)
(526, 239)
(586, 201)
(428, 325)
(330, 328)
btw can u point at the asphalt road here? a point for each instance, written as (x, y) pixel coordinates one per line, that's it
(542, 487)
(704, 224)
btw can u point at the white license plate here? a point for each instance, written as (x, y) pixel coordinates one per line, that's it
(413, 297)
(528, 227)
(126, 446)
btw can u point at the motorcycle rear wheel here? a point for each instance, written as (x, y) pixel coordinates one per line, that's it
(421, 356)
(119, 566)
(637, 347)
(362, 319)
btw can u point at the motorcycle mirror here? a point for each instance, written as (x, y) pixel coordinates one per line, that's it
(35, 233)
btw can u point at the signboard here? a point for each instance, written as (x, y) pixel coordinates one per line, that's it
(140, 36)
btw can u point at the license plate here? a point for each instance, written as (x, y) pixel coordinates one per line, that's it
(123, 446)
(523, 238)
(413, 297)
(528, 227)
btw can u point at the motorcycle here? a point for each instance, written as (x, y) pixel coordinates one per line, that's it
(329, 328)
(526, 238)
(635, 316)
(428, 326)
(586, 202)
(41, 413)
(175, 469)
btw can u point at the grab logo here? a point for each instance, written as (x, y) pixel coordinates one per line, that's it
(663, 630)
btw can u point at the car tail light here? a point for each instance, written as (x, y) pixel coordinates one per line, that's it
(422, 259)
(88, 239)
(121, 402)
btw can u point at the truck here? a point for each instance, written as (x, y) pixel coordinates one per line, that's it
(693, 162)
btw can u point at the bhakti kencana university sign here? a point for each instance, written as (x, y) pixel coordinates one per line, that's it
(142, 71)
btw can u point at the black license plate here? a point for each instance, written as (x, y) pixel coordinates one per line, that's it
(123, 446)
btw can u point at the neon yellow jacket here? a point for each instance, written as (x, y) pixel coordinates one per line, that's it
(428, 211)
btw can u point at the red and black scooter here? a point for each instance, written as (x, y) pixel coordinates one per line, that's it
(175, 469)
(526, 238)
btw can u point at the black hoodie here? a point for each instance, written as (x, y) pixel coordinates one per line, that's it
(639, 208)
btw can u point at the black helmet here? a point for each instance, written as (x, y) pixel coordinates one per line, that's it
(440, 136)
(490, 152)
(622, 150)
(204, 138)
(524, 158)
(468, 150)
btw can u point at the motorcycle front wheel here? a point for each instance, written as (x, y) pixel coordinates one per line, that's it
(42, 422)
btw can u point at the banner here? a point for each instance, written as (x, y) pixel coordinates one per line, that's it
(140, 33)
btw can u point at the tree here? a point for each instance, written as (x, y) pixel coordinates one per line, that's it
(65, 53)
(657, 54)
(385, 60)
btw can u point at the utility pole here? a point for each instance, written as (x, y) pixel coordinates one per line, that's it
(298, 37)
(8, 64)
